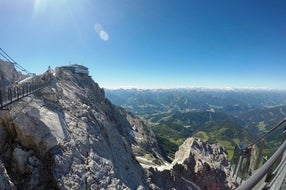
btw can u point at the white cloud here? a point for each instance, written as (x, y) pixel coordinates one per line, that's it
(101, 32)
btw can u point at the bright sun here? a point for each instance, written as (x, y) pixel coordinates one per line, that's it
(40, 6)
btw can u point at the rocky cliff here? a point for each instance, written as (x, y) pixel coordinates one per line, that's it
(197, 165)
(8, 73)
(69, 136)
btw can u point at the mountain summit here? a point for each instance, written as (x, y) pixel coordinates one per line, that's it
(69, 136)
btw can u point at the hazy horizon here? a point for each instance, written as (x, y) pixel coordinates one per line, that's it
(199, 88)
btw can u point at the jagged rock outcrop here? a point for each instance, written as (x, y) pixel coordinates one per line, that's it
(8, 73)
(69, 136)
(5, 181)
(197, 165)
(145, 146)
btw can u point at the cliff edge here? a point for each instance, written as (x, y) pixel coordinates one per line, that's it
(69, 136)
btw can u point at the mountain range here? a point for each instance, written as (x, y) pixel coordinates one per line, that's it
(232, 101)
(225, 116)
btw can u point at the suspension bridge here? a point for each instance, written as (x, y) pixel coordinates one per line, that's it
(18, 90)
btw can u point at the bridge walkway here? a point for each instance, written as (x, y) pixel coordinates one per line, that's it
(13, 94)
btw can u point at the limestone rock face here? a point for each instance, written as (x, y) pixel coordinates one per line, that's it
(144, 146)
(72, 136)
(8, 73)
(197, 165)
(69, 136)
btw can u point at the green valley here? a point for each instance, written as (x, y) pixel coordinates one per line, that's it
(219, 116)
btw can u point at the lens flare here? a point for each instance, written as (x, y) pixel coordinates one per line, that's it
(101, 32)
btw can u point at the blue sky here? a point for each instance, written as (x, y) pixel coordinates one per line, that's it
(152, 43)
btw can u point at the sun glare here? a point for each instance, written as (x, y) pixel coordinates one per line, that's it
(40, 6)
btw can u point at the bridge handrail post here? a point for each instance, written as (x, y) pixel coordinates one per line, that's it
(17, 92)
(12, 93)
(260, 153)
(238, 168)
(1, 99)
(28, 89)
(10, 96)
(242, 161)
(235, 160)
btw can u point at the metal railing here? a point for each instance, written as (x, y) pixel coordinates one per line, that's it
(13, 94)
(247, 162)
(264, 175)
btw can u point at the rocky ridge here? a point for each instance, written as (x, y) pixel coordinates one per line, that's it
(197, 165)
(8, 73)
(69, 136)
